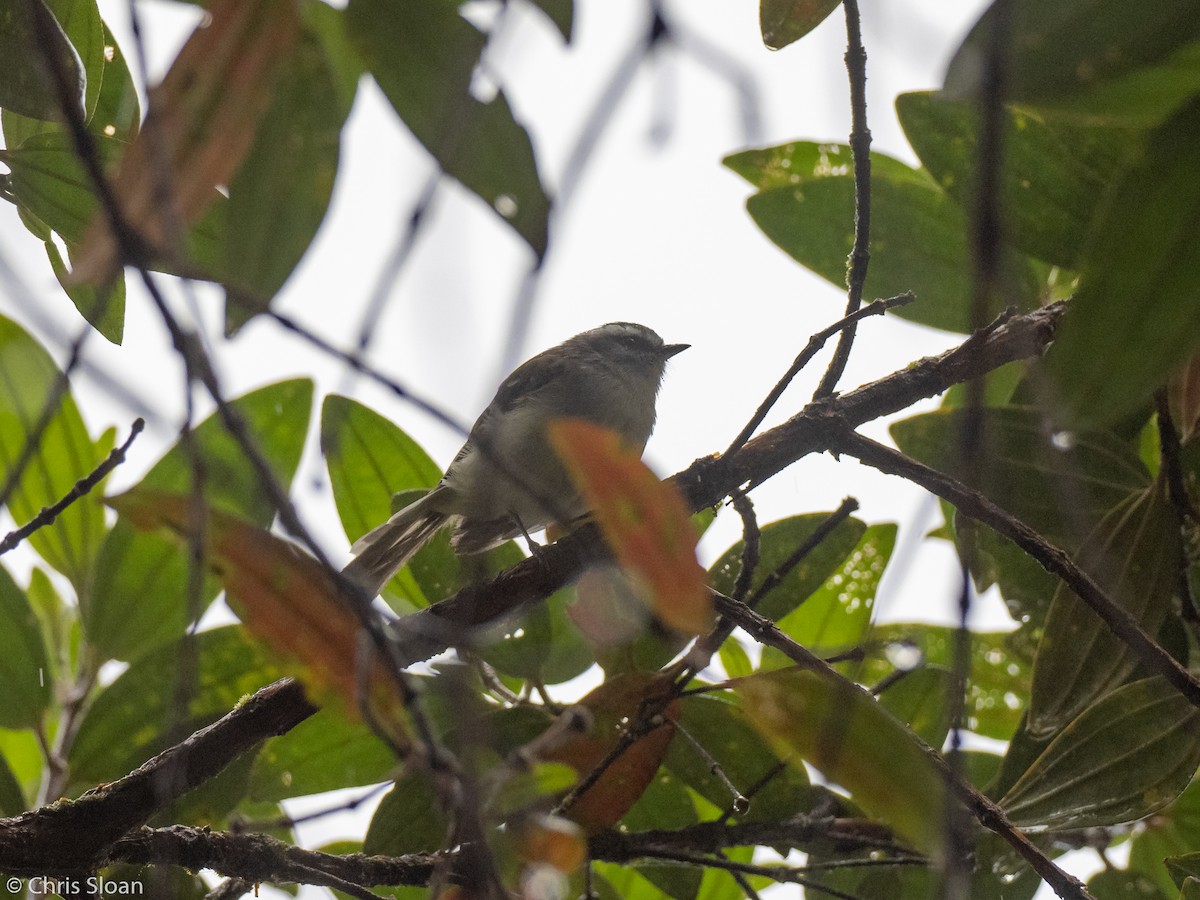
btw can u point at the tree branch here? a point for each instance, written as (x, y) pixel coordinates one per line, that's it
(709, 479)
(73, 836)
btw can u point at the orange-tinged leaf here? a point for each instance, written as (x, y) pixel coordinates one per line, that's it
(554, 841)
(644, 520)
(200, 126)
(614, 706)
(285, 598)
(841, 730)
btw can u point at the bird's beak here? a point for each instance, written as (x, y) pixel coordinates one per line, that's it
(670, 350)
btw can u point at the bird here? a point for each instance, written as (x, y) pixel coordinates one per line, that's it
(507, 480)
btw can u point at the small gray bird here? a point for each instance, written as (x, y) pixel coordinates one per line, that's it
(506, 480)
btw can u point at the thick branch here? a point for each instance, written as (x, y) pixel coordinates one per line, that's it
(73, 836)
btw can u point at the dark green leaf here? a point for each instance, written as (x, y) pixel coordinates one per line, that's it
(423, 56)
(328, 25)
(1102, 59)
(140, 596)
(64, 454)
(1061, 493)
(560, 12)
(26, 87)
(1183, 867)
(1132, 555)
(105, 310)
(1127, 755)
(130, 719)
(281, 191)
(918, 235)
(665, 804)
(726, 735)
(785, 21)
(838, 613)
(1137, 313)
(322, 753)
(118, 109)
(12, 799)
(24, 670)
(48, 180)
(408, 819)
(1053, 178)
(999, 679)
(779, 541)
(369, 461)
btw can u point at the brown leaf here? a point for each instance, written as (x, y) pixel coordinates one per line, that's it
(645, 521)
(286, 599)
(200, 126)
(614, 706)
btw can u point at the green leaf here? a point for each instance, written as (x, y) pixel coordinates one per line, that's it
(918, 234)
(665, 804)
(140, 598)
(785, 21)
(130, 720)
(48, 180)
(423, 56)
(408, 819)
(779, 540)
(26, 87)
(369, 460)
(24, 669)
(1061, 493)
(118, 110)
(1127, 755)
(919, 701)
(281, 191)
(1053, 178)
(542, 644)
(725, 733)
(838, 614)
(1171, 832)
(64, 454)
(1132, 554)
(12, 799)
(1106, 60)
(1184, 867)
(104, 309)
(839, 729)
(322, 753)
(1136, 316)
(999, 676)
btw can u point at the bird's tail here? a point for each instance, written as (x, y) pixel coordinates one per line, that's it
(382, 552)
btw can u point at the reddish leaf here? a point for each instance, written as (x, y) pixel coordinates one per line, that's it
(644, 520)
(201, 124)
(285, 598)
(614, 706)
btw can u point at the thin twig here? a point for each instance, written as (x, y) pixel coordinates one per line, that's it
(860, 152)
(1053, 559)
(814, 345)
(81, 488)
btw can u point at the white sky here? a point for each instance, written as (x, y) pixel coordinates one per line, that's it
(656, 233)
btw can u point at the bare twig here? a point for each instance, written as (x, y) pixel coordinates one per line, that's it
(1185, 511)
(81, 488)
(860, 151)
(815, 343)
